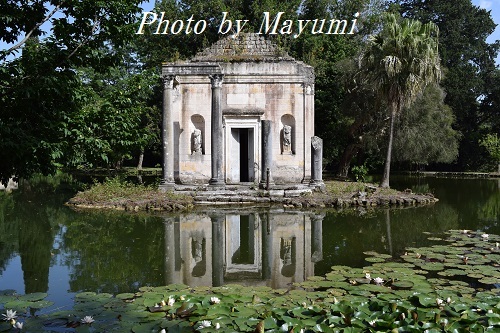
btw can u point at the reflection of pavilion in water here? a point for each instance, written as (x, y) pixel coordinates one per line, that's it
(245, 248)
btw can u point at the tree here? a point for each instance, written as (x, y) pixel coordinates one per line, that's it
(425, 134)
(39, 84)
(337, 120)
(399, 62)
(492, 144)
(471, 77)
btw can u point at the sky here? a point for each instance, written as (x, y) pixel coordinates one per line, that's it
(494, 7)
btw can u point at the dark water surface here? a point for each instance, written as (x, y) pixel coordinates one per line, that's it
(47, 247)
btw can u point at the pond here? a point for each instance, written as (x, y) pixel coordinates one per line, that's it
(47, 247)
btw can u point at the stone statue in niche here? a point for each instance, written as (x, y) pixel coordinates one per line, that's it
(287, 139)
(196, 137)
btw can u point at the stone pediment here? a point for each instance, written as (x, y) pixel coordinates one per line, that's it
(244, 47)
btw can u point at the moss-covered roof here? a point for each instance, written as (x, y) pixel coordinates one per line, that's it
(244, 47)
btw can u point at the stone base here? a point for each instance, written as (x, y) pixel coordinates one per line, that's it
(263, 185)
(166, 187)
(317, 184)
(216, 184)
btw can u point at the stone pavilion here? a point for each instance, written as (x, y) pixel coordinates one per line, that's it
(239, 112)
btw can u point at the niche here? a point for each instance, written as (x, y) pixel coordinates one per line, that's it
(287, 135)
(197, 138)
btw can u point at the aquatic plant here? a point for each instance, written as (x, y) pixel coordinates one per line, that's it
(451, 286)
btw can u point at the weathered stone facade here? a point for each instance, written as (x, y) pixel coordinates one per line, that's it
(236, 109)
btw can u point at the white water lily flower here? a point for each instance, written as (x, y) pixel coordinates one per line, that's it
(204, 324)
(372, 323)
(18, 325)
(284, 327)
(87, 320)
(163, 303)
(170, 301)
(448, 300)
(214, 300)
(368, 276)
(9, 315)
(439, 301)
(163, 331)
(378, 280)
(217, 326)
(490, 311)
(485, 236)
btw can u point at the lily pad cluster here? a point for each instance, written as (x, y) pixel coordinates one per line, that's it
(451, 286)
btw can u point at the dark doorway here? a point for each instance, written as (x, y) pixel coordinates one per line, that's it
(244, 174)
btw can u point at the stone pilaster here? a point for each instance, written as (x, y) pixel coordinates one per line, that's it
(167, 181)
(267, 154)
(317, 161)
(308, 126)
(217, 180)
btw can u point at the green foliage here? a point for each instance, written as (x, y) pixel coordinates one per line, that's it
(491, 142)
(117, 119)
(471, 79)
(115, 188)
(398, 64)
(424, 132)
(360, 172)
(39, 87)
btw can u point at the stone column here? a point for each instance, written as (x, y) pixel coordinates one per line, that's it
(317, 161)
(267, 153)
(217, 146)
(218, 247)
(167, 181)
(317, 237)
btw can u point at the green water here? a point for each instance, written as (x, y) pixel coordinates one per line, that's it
(47, 247)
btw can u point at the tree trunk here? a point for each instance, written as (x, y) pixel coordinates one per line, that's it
(387, 169)
(345, 162)
(141, 159)
(498, 170)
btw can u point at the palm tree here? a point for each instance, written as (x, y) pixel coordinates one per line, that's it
(398, 64)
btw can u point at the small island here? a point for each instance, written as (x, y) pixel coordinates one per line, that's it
(118, 195)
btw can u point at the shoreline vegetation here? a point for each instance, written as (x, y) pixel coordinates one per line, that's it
(122, 195)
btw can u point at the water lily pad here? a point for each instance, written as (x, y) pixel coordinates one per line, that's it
(490, 280)
(33, 297)
(432, 266)
(404, 285)
(375, 259)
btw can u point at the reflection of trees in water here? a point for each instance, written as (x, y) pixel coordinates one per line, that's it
(8, 230)
(30, 221)
(347, 235)
(474, 200)
(489, 212)
(114, 252)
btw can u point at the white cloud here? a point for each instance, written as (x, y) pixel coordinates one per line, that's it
(485, 4)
